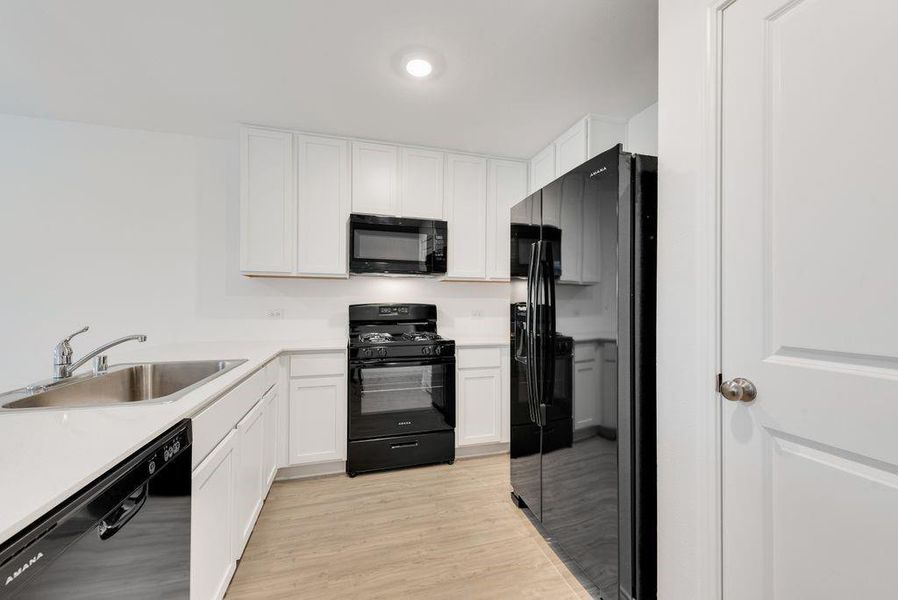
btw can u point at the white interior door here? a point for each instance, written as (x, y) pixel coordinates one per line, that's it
(810, 298)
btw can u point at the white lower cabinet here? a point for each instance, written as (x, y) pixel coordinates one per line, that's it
(317, 408)
(317, 420)
(482, 403)
(230, 482)
(270, 443)
(588, 365)
(212, 559)
(249, 475)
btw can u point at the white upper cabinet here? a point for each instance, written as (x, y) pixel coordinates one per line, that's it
(375, 177)
(421, 183)
(604, 133)
(323, 206)
(570, 148)
(267, 201)
(466, 211)
(542, 168)
(571, 192)
(298, 190)
(551, 205)
(591, 269)
(506, 186)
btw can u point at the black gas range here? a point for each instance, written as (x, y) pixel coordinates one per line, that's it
(401, 388)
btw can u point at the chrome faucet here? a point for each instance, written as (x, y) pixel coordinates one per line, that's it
(63, 367)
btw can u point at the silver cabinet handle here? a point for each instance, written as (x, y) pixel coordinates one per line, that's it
(738, 390)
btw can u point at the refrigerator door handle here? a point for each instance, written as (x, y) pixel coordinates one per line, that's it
(530, 332)
(548, 337)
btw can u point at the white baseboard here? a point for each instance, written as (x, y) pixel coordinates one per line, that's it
(481, 450)
(332, 467)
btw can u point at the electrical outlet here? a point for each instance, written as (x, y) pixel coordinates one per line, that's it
(477, 313)
(275, 313)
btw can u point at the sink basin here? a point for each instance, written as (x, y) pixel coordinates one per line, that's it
(122, 384)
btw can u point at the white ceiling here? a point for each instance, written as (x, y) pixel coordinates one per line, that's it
(517, 72)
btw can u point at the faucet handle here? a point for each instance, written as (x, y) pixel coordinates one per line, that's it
(69, 339)
(62, 353)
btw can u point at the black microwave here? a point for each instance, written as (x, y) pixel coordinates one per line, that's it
(394, 245)
(523, 237)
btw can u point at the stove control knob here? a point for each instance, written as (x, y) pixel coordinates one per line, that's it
(382, 351)
(438, 350)
(426, 350)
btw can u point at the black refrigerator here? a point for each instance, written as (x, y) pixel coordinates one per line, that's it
(583, 264)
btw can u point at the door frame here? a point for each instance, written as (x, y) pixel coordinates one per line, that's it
(708, 410)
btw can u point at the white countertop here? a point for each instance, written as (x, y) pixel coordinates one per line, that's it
(46, 455)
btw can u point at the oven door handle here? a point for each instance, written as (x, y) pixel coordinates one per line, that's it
(414, 362)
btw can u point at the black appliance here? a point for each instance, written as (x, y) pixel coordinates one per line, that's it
(594, 489)
(399, 246)
(523, 236)
(401, 388)
(124, 535)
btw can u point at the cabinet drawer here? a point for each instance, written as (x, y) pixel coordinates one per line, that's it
(401, 451)
(478, 358)
(317, 365)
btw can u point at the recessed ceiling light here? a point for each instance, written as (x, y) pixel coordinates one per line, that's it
(418, 67)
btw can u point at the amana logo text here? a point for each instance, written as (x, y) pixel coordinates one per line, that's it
(24, 568)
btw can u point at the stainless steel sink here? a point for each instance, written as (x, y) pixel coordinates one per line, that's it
(135, 383)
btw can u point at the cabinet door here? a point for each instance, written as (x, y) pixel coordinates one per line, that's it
(586, 394)
(322, 206)
(267, 201)
(570, 148)
(270, 444)
(421, 183)
(542, 168)
(374, 179)
(466, 212)
(212, 560)
(479, 406)
(506, 187)
(571, 229)
(522, 212)
(317, 420)
(551, 204)
(591, 269)
(604, 133)
(249, 475)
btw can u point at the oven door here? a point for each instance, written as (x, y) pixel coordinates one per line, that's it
(391, 245)
(399, 397)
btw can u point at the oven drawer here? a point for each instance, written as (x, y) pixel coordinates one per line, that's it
(400, 451)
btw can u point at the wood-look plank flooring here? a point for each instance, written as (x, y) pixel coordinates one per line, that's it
(445, 531)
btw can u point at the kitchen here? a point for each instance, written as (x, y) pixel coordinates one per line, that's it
(248, 192)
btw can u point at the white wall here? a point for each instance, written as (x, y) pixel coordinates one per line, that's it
(135, 231)
(642, 131)
(688, 549)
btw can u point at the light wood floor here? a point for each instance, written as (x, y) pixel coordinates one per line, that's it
(431, 532)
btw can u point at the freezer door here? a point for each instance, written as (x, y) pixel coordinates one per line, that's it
(580, 484)
(526, 434)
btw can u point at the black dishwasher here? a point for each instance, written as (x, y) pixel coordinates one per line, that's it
(124, 535)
